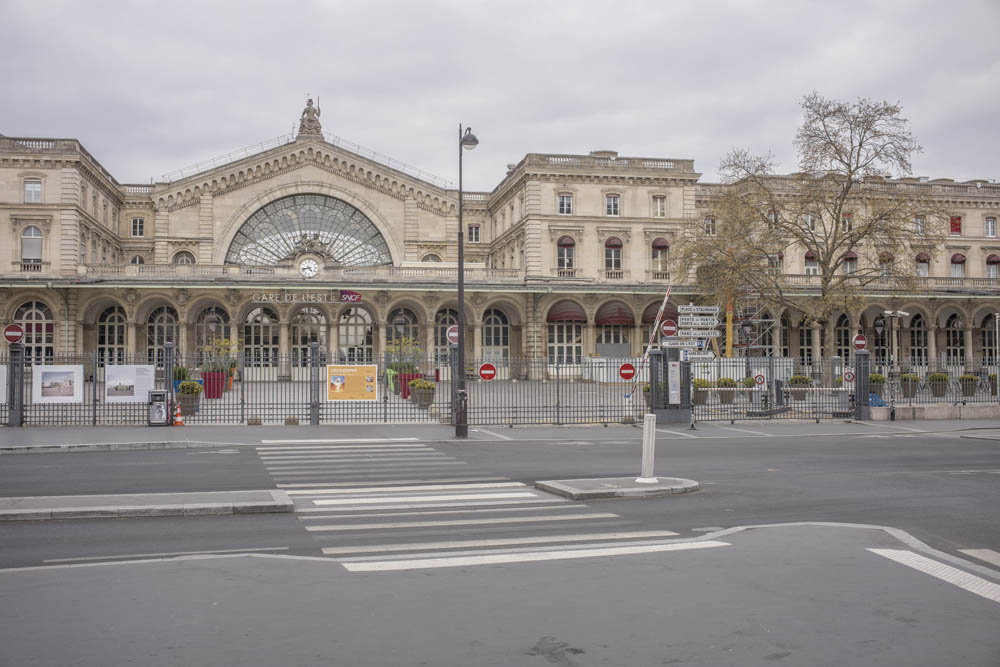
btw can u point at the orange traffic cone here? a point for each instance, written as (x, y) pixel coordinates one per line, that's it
(178, 418)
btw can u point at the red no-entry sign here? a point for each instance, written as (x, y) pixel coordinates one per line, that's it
(452, 334)
(627, 371)
(860, 342)
(13, 333)
(668, 328)
(487, 371)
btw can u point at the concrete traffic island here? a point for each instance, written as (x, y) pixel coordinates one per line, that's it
(43, 508)
(617, 487)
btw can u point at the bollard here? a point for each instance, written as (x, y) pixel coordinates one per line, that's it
(648, 449)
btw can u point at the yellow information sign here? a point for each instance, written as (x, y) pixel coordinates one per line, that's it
(352, 383)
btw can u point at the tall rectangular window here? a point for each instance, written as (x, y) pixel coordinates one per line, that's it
(957, 270)
(565, 204)
(473, 233)
(847, 223)
(918, 224)
(660, 206)
(32, 191)
(955, 225)
(710, 227)
(990, 227)
(923, 269)
(612, 205)
(138, 227)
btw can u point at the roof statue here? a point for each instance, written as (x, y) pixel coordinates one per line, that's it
(309, 124)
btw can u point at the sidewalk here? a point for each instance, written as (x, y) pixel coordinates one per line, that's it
(42, 508)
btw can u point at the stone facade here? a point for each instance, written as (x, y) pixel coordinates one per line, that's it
(567, 256)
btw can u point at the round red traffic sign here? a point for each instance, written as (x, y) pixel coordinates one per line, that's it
(848, 376)
(860, 342)
(452, 334)
(759, 378)
(668, 328)
(627, 371)
(13, 333)
(487, 371)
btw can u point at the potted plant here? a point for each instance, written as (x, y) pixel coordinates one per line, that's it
(180, 374)
(909, 382)
(188, 394)
(701, 388)
(798, 384)
(401, 367)
(214, 374)
(876, 383)
(726, 390)
(968, 383)
(422, 392)
(938, 383)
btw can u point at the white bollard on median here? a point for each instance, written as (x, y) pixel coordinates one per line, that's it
(648, 449)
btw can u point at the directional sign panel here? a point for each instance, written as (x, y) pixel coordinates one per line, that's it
(695, 310)
(697, 321)
(673, 342)
(698, 333)
(703, 356)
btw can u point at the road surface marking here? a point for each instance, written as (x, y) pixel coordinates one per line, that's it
(326, 441)
(686, 435)
(397, 467)
(327, 463)
(324, 449)
(935, 472)
(461, 522)
(492, 559)
(312, 487)
(986, 555)
(412, 487)
(506, 541)
(533, 508)
(165, 553)
(495, 435)
(902, 428)
(744, 430)
(491, 503)
(418, 499)
(952, 575)
(297, 456)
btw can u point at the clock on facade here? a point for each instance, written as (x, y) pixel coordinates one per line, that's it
(309, 268)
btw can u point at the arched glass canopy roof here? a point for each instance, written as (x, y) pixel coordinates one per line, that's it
(322, 225)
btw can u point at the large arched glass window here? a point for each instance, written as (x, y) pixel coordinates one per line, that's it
(161, 328)
(496, 335)
(308, 327)
(211, 325)
(785, 333)
(31, 248)
(137, 259)
(402, 324)
(954, 338)
(308, 223)
(260, 338)
(443, 319)
(805, 344)
(356, 335)
(918, 341)
(112, 344)
(988, 340)
(36, 320)
(183, 257)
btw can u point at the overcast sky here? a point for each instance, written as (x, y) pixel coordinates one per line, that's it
(150, 87)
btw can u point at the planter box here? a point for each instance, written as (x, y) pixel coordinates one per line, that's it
(422, 397)
(214, 383)
(876, 387)
(188, 403)
(177, 384)
(968, 387)
(798, 392)
(726, 396)
(700, 396)
(939, 389)
(909, 388)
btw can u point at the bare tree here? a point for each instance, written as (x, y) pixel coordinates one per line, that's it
(856, 228)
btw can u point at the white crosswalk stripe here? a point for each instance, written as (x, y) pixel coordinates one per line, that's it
(363, 502)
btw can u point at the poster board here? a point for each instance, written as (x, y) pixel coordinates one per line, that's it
(56, 384)
(3, 384)
(128, 383)
(351, 383)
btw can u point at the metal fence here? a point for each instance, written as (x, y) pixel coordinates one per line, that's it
(953, 381)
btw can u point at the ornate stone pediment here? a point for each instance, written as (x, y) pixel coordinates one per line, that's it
(311, 244)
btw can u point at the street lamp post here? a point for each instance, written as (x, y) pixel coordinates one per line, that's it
(466, 141)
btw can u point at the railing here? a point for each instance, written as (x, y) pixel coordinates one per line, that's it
(609, 162)
(474, 273)
(614, 274)
(31, 267)
(655, 274)
(922, 282)
(566, 273)
(137, 189)
(392, 163)
(229, 157)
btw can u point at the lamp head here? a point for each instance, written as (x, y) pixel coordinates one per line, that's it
(469, 140)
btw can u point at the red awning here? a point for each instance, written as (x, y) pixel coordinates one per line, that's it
(810, 255)
(649, 315)
(660, 243)
(614, 312)
(850, 255)
(566, 311)
(993, 259)
(923, 257)
(958, 258)
(613, 242)
(565, 242)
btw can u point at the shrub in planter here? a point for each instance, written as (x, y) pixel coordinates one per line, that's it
(727, 390)
(749, 383)
(422, 392)
(968, 383)
(797, 384)
(188, 395)
(938, 383)
(701, 388)
(993, 384)
(876, 383)
(214, 374)
(180, 374)
(909, 382)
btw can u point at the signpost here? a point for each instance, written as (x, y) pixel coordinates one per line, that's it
(848, 376)
(452, 334)
(668, 328)
(13, 333)
(677, 342)
(759, 379)
(860, 342)
(626, 371)
(697, 321)
(708, 355)
(698, 310)
(487, 371)
(698, 333)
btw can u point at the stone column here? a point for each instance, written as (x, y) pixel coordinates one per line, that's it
(183, 331)
(589, 346)
(969, 350)
(776, 339)
(477, 341)
(380, 342)
(428, 339)
(284, 351)
(333, 341)
(932, 333)
(130, 338)
(817, 347)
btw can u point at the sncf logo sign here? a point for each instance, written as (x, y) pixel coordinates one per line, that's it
(347, 296)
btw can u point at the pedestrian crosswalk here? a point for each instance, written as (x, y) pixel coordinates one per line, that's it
(417, 507)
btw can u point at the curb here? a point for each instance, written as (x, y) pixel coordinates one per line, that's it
(279, 503)
(116, 446)
(575, 489)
